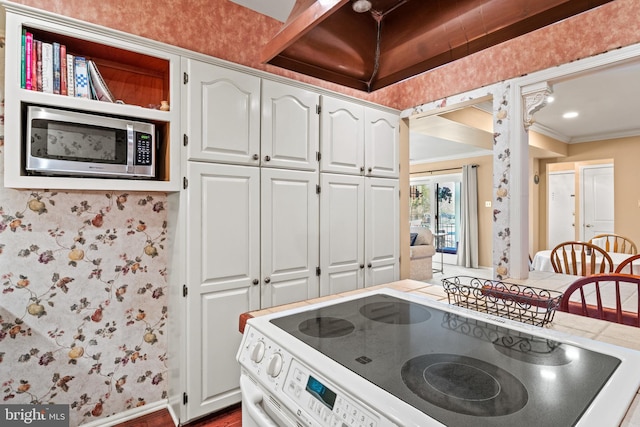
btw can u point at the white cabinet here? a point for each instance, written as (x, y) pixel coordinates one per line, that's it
(252, 243)
(222, 112)
(359, 140)
(342, 233)
(342, 136)
(290, 127)
(139, 72)
(222, 264)
(289, 218)
(252, 215)
(359, 232)
(382, 135)
(382, 224)
(238, 118)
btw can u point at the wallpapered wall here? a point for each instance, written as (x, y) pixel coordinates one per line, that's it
(83, 308)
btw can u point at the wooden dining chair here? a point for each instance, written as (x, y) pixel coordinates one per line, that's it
(613, 297)
(615, 243)
(580, 259)
(629, 265)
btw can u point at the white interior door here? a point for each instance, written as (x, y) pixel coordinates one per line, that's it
(597, 201)
(561, 208)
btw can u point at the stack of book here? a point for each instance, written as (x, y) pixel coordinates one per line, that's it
(48, 67)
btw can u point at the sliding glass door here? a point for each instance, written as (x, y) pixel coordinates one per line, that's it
(435, 204)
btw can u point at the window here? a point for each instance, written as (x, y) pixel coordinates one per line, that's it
(435, 204)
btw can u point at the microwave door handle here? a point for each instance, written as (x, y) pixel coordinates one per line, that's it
(130, 147)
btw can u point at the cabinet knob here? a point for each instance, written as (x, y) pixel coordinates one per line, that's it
(369, 265)
(256, 157)
(361, 265)
(267, 279)
(267, 158)
(361, 169)
(256, 281)
(370, 170)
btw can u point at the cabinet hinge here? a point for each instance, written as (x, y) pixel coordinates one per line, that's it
(185, 183)
(185, 290)
(318, 156)
(318, 271)
(185, 78)
(317, 188)
(318, 109)
(185, 140)
(185, 398)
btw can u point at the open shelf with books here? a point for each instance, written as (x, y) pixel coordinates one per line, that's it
(113, 74)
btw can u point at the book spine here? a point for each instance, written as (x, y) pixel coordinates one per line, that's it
(71, 86)
(56, 68)
(34, 64)
(82, 79)
(63, 69)
(47, 67)
(39, 65)
(28, 60)
(23, 65)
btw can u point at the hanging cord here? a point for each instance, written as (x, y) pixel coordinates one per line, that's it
(376, 62)
(378, 16)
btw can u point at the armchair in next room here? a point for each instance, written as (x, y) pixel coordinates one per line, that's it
(421, 251)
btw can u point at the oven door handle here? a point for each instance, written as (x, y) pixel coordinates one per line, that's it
(252, 396)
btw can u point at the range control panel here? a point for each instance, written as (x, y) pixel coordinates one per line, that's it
(314, 400)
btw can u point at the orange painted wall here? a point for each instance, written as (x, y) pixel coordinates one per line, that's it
(225, 30)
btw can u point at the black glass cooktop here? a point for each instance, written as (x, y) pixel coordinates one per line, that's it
(459, 371)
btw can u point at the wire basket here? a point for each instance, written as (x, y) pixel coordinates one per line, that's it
(516, 302)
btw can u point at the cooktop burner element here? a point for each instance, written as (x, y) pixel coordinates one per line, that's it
(326, 327)
(395, 312)
(464, 385)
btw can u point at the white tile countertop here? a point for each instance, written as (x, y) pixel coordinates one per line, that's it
(613, 333)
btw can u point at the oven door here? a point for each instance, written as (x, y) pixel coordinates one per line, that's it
(259, 409)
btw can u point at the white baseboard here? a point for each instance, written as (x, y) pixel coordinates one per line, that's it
(132, 414)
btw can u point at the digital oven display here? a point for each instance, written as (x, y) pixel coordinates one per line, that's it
(320, 392)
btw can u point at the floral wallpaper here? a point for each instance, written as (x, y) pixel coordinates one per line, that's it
(83, 302)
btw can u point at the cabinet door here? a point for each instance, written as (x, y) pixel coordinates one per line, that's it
(290, 127)
(289, 236)
(222, 112)
(342, 137)
(342, 230)
(382, 149)
(222, 262)
(381, 230)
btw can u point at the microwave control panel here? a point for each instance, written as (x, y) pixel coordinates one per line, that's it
(144, 144)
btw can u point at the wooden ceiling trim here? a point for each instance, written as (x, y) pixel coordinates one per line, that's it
(326, 39)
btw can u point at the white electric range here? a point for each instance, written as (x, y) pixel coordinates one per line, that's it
(387, 358)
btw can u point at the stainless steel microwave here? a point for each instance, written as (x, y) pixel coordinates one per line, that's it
(61, 142)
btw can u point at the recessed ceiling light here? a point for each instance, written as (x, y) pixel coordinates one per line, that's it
(550, 99)
(570, 115)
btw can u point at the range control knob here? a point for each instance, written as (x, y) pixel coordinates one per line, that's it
(275, 365)
(257, 352)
